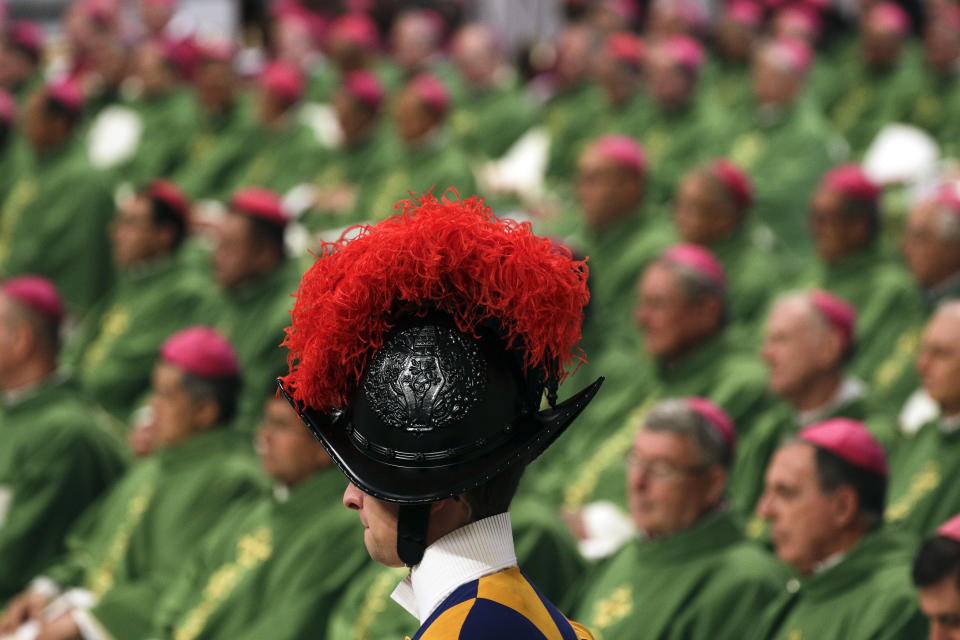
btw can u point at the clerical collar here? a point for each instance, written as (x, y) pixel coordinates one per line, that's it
(849, 390)
(281, 493)
(464, 555)
(16, 396)
(829, 563)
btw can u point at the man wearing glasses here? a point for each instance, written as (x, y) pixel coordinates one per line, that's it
(690, 571)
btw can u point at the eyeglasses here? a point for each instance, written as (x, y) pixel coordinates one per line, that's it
(660, 470)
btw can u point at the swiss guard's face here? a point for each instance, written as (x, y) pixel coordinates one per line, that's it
(379, 520)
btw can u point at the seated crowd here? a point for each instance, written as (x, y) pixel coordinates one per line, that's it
(774, 286)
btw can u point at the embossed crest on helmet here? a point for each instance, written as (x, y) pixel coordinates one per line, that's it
(425, 378)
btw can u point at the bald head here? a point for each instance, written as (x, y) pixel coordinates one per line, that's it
(939, 359)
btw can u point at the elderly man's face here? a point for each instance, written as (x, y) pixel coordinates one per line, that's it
(412, 117)
(669, 85)
(930, 256)
(797, 348)
(379, 520)
(799, 512)
(881, 45)
(134, 236)
(940, 602)
(941, 46)
(774, 84)
(668, 488)
(175, 411)
(671, 323)
(939, 359)
(607, 192)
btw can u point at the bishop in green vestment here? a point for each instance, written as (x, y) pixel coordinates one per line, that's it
(689, 572)
(274, 567)
(125, 550)
(56, 456)
(54, 220)
(938, 92)
(156, 294)
(924, 479)
(824, 498)
(845, 220)
(429, 156)
(808, 341)
(257, 279)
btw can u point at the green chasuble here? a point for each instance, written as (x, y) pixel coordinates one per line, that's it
(275, 158)
(114, 351)
(56, 458)
(925, 477)
(54, 223)
(886, 298)
(674, 139)
(359, 166)
(570, 118)
(272, 569)
(254, 317)
(486, 122)
(588, 465)
(785, 153)
(862, 100)
(705, 582)
(168, 121)
(546, 552)
(436, 162)
(128, 547)
(768, 430)
(211, 133)
(868, 595)
(934, 108)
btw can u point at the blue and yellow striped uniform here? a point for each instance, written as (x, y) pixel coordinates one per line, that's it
(502, 605)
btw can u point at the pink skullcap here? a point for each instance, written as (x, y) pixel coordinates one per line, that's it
(800, 18)
(258, 202)
(357, 29)
(699, 259)
(745, 12)
(67, 93)
(717, 418)
(432, 19)
(795, 54)
(36, 293)
(170, 194)
(735, 180)
(850, 440)
(183, 53)
(166, 4)
(625, 46)
(684, 51)
(27, 35)
(890, 16)
(432, 91)
(101, 11)
(283, 80)
(365, 87)
(623, 150)
(851, 181)
(8, 107)
(202, 352)
(303, 18)
(840, 314)
(950, 528)
(627, 10)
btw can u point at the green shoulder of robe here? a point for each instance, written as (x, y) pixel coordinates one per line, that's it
(707, 581)
(274, 568)
(56, 459)
(868, 595)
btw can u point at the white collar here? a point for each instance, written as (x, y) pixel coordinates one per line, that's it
(463, 555)
(850, 389)
(949, 424)
(829, 562)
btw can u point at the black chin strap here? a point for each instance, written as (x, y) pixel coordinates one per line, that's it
(412, 523)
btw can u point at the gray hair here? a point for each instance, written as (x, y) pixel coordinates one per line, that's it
(677, 417)
(947, 224)
(695, 287)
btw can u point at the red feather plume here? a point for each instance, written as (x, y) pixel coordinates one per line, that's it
(452, 255)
